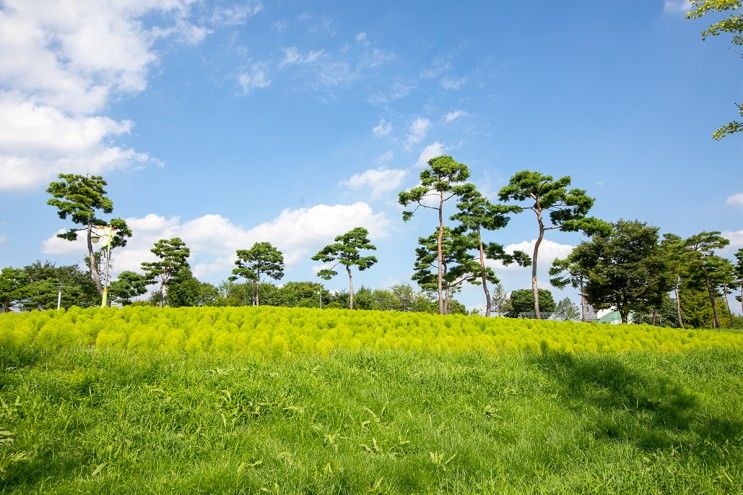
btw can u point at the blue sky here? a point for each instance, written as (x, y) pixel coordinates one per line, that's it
(229, 123)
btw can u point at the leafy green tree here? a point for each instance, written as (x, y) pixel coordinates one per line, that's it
(261, 259)
(501, 301)
(739, 275)
(12, 282)
(43, 280)
(346, 250)
(521, 303)
(128, 286)
(83, 198)
(172, 257)
(731, 24)
(475, 214)
(459, 265)
(626, 268)
(567, 209)
(570, 271)
(566, 310)
(708, 270)
(185, 290)
(440, 182)
(677, 256)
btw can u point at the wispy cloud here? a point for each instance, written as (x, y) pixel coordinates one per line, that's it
(382, 128)
(253, 77)
(452, 116)
(378, 181)
(417, 131)
(676, 5)
(735, 200)
(453, 84)
(293, 56)
(235, 15)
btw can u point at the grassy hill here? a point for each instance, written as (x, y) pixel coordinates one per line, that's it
(90, 404)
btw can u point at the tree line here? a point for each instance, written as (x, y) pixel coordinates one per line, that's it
(623, 265)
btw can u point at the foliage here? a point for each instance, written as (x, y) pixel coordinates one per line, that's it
(173, 257)
(81, 197)
(292, 331)
(566, 310)
(626, 268)
(346, 251)
(708, 270)
(261, 259)
(567, 210)
(440, 182)
(37, 285)
(475, 214)
(128, 286)
(521, 303)
(733, 25)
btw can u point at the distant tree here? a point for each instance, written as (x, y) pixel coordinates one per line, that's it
(521, 303)
(346, 250)
(567, 208)
(677, 259)
(626, 268)
(42, 282)
(570, 271)
(82, 197)
(475, 214)
(709, 270)
(440, 182)
(304, 294)
(261, 259)
(172, 257)
(186, 290)
(733, 25)
(739, 275)
(12, 282)
(459, 265)
(501, 302)
(566, 310)
(128, 286)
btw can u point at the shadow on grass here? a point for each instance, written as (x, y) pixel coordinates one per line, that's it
(649, 411)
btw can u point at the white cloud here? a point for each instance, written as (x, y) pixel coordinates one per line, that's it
(384, 158)
(253, 77)
(548, 252)
(449, 83)
(235, 15)
(676, 5)
(213, 238)
(378, 180)
(736, 239)
(382, 128)
(397, 90)
(279, 26)
(62, 63)
(417, 131)
(363, 39)
(735, 200)
(452, 116)
(431, 151)
(292, 56)
(3, 239)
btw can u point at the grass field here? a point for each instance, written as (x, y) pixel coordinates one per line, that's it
(76, 418)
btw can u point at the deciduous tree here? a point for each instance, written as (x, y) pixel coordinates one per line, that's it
(731, 23)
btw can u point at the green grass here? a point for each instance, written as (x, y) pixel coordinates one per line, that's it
(79, 420)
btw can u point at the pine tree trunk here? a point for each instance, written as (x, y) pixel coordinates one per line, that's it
(625, 316)
(484, 278)
(91, 260)
(162, 292)
(350, 288)
(715, 315)
(727, 303)
(534, 285)
(677, 293)
(440, 253)
(258, 293)
(582, 301)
